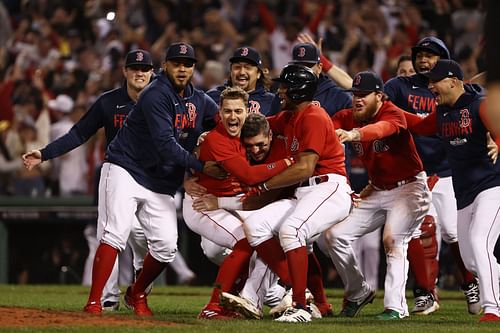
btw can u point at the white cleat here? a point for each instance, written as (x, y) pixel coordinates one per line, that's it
(287, 302)
(293, 315)
(240, 305)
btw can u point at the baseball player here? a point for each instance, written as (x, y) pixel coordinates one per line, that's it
(328, 95)
(412, 95)
(396, 197)
(220, 226)
(323, 194)
(144, 166)
(108, 111)
(460, 123)
(246, 72)
(405, 66)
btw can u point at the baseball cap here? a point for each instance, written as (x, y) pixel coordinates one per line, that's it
(433, 45)
(444, 68)
(247, 54)
(305, 53)
(180, 51)
(367, 81)
(62, 103)
(138, 57)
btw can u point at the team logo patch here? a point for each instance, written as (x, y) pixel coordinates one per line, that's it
(379, 146)
(244, 51)
(358, 148)
(253, 107)
(294, 147)
(302, 52)
(139, 56)
(357, 80)
(464, 118)
(183, 49)
(271, 166)
(191, 109)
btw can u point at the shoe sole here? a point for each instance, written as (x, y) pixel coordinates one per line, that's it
(231, 302)
(368, 300)
(428, 311)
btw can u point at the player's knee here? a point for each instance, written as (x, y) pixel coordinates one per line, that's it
(291, 237)
(214, 252)
(257, 233)
(163, 250)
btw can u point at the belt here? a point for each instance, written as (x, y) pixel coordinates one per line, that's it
(315, 180)
(388, 187)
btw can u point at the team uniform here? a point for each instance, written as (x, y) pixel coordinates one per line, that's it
(476, 182)
(322, 200)
(259, 100)
(400, 200)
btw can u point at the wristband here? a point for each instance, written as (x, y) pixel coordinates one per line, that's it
(327, 64)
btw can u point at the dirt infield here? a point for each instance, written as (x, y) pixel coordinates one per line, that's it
(24, 317)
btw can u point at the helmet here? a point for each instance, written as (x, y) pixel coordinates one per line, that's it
(301, 82)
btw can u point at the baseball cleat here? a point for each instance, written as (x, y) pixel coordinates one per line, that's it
(489, 317)
(214, 311)
(325, 309)
(389, 314)
(110, 306)
(94, 308)
(471, 292)
(424, 303)
(240, 305)
(287, 302)
(314, 311)
(294, 315)
(352, 308)
(138, 303)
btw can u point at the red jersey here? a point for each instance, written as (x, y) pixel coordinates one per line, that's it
(311, 130)
(219, 146)
(386, 148)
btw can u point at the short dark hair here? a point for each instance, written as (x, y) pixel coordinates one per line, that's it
(234, 93)
(402, 58)
(255, 124)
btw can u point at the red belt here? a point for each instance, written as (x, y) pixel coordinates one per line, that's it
(388, 187)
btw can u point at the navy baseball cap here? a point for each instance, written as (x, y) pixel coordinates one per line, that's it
(305, 53)
(180, 51)
(138, 58)
(444, 68)
(247, 54)
(367, 81)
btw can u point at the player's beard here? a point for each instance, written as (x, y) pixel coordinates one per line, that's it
(178, 86)
(366, 115)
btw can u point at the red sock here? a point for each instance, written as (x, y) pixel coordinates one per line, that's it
(297, 262)
(418, 265)
(315, 279)
(150, 271)
(233, 266)
(466, 275)
(272, 254)
(104, 260)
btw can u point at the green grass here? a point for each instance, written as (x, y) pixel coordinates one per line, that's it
(182, 304)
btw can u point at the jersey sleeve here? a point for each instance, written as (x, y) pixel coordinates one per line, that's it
(209, 114)
(421, 126)
(341, 119)
(390, 122)
(390, 89)
(85, 128)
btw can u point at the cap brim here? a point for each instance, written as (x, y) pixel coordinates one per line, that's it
(304, 62)
(187, 58)
(138, 64)
(433, 76)
(416, 49)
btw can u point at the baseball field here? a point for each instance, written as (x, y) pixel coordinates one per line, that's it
(58, 309)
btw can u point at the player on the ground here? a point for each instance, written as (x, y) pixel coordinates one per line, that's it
(144, 166)
(412, 94)
(220, 226)
(396, 197)
(246, 71)
(460, 123)
(108, 111)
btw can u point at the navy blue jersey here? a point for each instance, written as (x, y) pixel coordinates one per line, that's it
(259, 101)
(108, 111)
(156, 141)
(411, 94)
(464, 136)
(331, 97)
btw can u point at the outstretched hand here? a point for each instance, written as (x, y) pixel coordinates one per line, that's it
(31, 159)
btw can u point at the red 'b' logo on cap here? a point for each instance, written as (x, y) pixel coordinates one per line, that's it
(183, 49)
(357, 80)
(244, 51)
(139, 56)
(302, 52)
